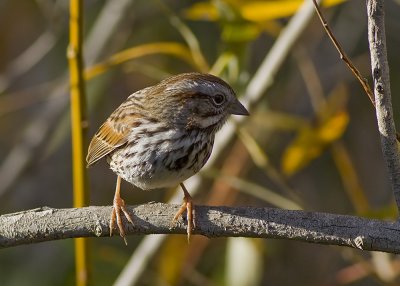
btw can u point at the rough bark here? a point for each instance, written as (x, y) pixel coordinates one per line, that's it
(383, 100)
(45, 224)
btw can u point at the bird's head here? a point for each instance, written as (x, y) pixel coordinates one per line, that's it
(195, 100)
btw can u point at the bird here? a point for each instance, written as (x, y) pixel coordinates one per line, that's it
(162, 135)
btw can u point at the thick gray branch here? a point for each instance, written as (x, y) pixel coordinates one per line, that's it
(44, 224)
(380, 75)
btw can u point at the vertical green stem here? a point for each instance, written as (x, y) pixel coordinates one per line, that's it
(78, 132)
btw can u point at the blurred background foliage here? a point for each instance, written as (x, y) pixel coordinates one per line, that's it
(311, 141)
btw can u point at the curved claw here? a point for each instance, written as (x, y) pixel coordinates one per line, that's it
(118, 207)
(187, 206)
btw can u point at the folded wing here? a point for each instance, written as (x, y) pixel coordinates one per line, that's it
(106, 140)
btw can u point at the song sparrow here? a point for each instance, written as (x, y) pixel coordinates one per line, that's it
(162, 135)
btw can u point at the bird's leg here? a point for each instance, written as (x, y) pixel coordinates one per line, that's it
(118, 207)
(187, 206)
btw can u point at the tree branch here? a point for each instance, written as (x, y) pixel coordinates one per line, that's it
(383, 101)
(343, 56)
(45, 224)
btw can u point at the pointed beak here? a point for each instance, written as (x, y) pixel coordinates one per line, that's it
(238, 109)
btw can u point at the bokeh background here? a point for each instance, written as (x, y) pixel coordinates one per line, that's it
(311, 139)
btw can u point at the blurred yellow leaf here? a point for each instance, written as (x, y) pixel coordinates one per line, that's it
(311, 141)
(255, 11)
(333, 128)
(262, 11)
(202, 11)
(331, 122)
(259, 11)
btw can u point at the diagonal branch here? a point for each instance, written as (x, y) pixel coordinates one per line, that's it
(383, 101)
(45, 224)
(363, 81)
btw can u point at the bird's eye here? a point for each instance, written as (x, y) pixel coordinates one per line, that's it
(218, 99)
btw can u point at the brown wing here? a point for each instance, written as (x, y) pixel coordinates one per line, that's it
(106, 140)
(115, 131)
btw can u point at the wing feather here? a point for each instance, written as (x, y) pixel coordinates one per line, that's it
(106, 140)
(115, 131)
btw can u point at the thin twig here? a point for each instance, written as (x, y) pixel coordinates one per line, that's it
(380, 75)
(46, 224)
(363, 81)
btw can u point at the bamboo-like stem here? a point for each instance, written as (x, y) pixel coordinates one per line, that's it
(78, 131)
